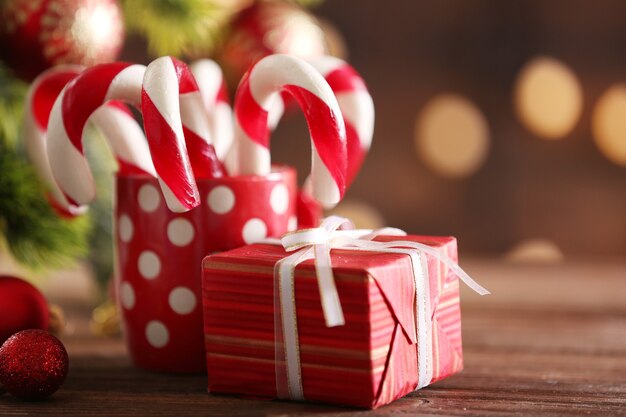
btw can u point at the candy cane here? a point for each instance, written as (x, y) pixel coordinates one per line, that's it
(171, 128)
(356, 105)
(170, 135)
(210, 79)
(122, 132)
(256, 93)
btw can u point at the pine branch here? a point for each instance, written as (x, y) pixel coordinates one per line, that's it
(176, 27)
(12, 93)
(29, 227)
(34, 233)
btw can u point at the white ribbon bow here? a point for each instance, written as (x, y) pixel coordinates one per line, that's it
(316, 244)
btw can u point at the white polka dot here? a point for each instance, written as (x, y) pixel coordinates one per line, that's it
(182, 300)
(149, 198)
(127, 295)
(180, 232)
(125, 228)
(279, 199)
(292, 223)
(254, 230)
(157, 334)
(221, 199)
(149, 264)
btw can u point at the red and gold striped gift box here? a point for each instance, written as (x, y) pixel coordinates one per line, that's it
(368, 362)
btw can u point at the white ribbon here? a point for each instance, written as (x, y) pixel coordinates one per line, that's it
(316, 244)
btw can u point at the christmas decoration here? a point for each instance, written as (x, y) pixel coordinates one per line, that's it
(22, 307)
(165, 234)
(175, 27)
(269, 27)
(284, 73)
(235, 210)
(38, 34)
(356, 105)
(187, 128)
(12, 92)
(373, 318)
(119, 127)
(33, 364)
(159, 253)
(31, 229)
(213, 90)
(88, 32)
(357, 108)
(165, 76)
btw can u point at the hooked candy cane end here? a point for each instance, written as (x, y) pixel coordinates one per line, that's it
(126, 85)
(65, 209)
(180, 205)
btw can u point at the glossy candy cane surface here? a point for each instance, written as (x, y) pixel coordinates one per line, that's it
(124, 136)
(256, 94)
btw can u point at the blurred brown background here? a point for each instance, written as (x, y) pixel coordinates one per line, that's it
(565, 191)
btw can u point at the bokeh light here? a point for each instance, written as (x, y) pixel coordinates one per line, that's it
(609, 124)
(548, 98)
(452, 136)
(535, 251)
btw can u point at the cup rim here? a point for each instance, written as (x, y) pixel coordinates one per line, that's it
(278, 171)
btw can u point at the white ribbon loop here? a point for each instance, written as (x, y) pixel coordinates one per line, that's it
(303, 238)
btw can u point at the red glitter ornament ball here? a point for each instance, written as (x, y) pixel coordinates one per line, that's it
(38, 34)
(271, 27)
(33, 364)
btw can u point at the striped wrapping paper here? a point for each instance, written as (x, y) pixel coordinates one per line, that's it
(368, 362)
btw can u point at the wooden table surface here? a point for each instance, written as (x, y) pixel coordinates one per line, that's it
(551, 340)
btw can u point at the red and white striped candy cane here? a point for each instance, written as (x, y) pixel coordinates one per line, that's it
(164, 128)
(178, 132)
(258, 89)
(213, 89)
(212, 85)
(123, 134)
(80, 98)
(356, 104)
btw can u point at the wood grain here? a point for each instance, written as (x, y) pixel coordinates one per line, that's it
(522, 357)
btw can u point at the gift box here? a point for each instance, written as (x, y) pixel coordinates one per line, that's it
(380, 354)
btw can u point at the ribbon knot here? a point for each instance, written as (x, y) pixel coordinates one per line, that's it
(323, 235)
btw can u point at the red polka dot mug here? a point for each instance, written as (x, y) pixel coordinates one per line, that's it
(159, 256)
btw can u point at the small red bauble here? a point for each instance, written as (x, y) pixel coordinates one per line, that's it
(38, 34)
(33, 364)
(22, 307)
